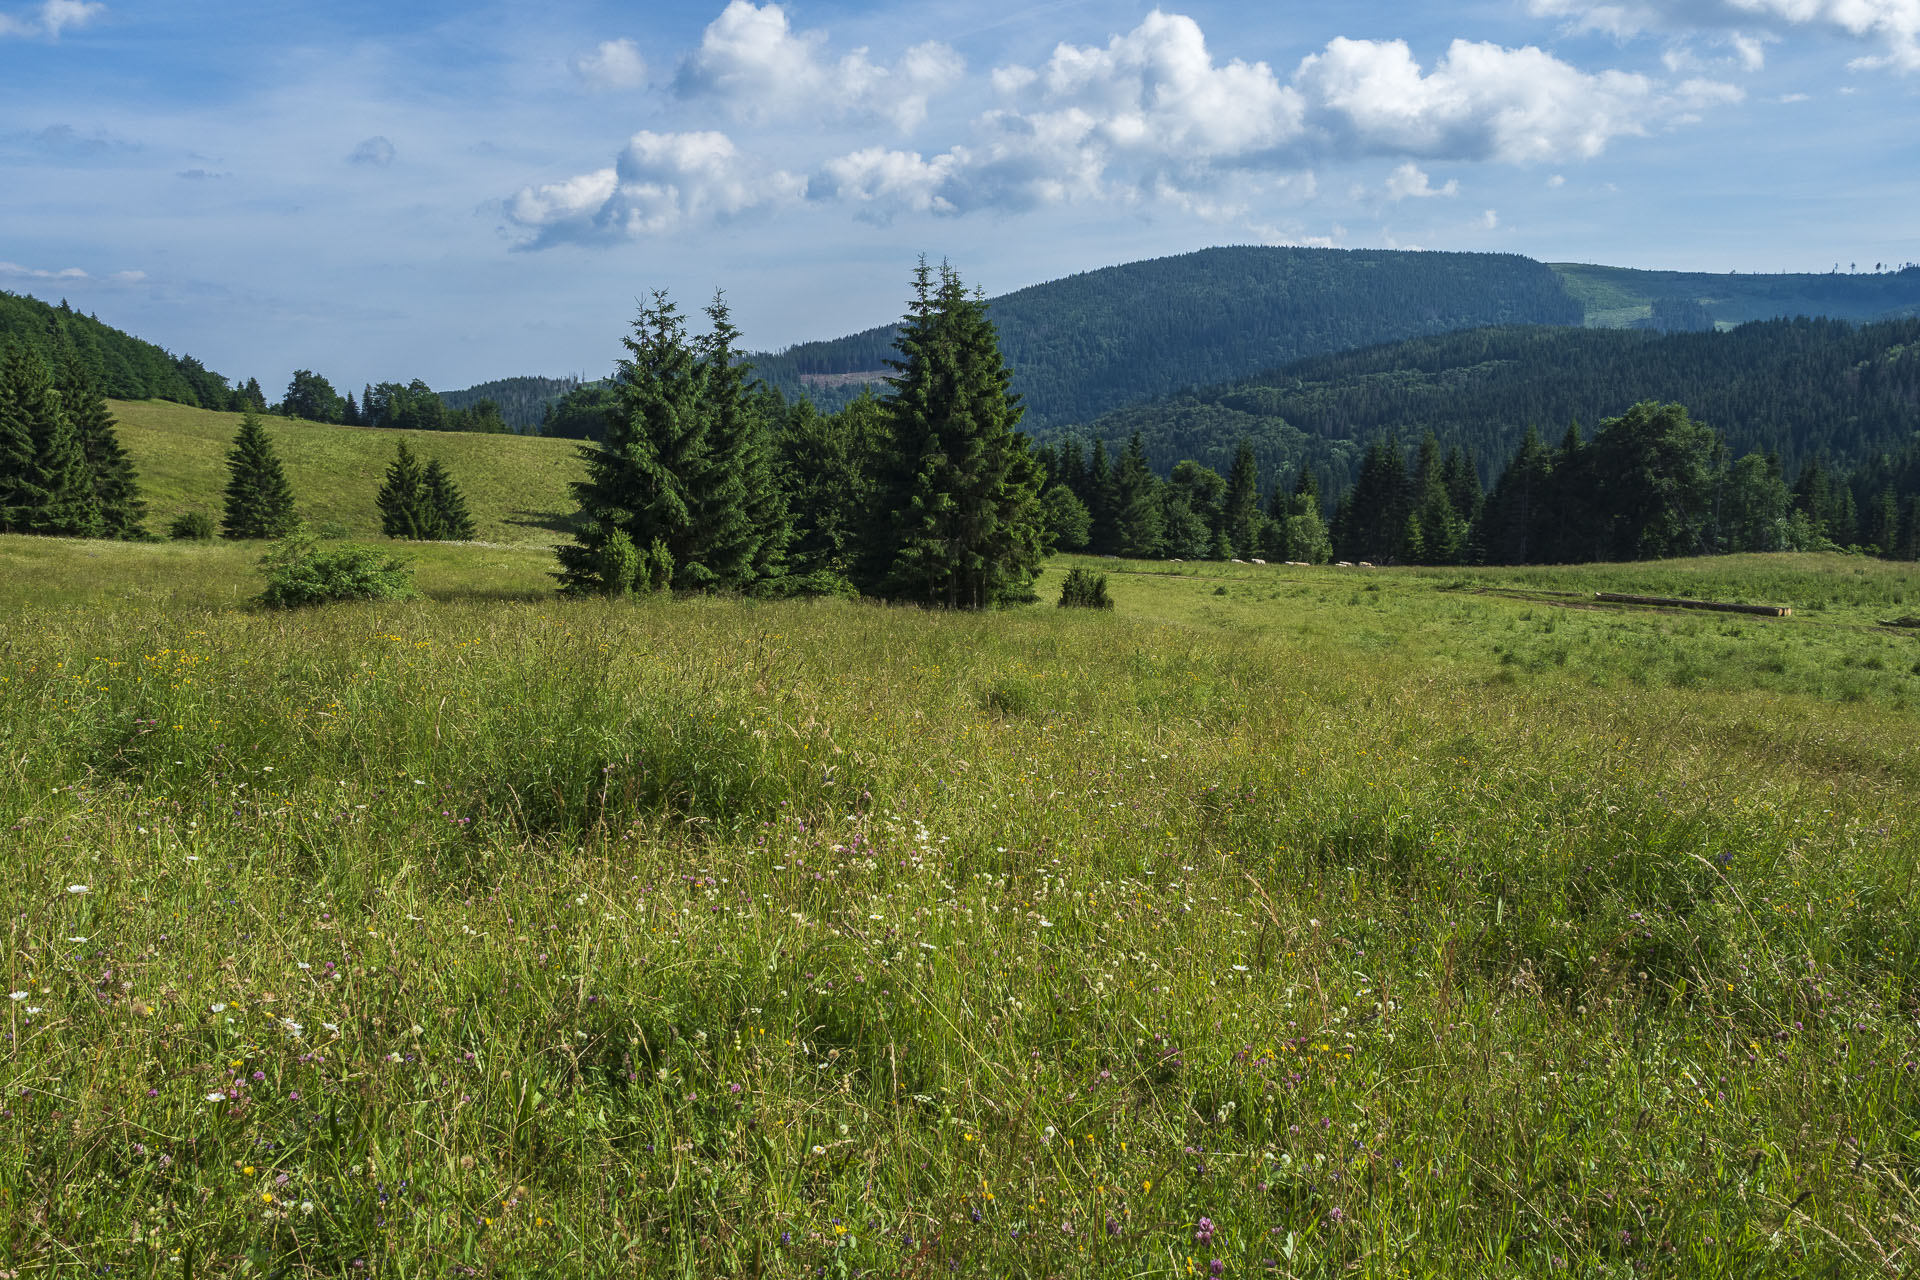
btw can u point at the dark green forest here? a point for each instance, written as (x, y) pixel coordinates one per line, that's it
(522, 402)
(1622, 297)
(120, 366)
(1088, 343)
(1798, 388)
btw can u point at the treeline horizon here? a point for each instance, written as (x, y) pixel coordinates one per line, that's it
(1651, 483)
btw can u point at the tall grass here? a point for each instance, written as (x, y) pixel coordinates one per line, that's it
(1337, 925)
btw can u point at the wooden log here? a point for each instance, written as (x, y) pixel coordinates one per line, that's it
(1675, 602)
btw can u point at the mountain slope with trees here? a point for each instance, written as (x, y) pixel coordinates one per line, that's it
(1093, 341)
(122, 366)
(1797, 388)
(1621, 298)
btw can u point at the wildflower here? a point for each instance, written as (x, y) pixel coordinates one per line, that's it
(819, 1150)
(306, 1206)
(16, 995)
(76, 888)
(216, 1096)
(1216, 1268)
(218, 1007)
(1204, 1235)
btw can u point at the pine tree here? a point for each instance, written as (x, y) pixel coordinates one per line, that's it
(114, 487)
(1139, 522)
(960, 487)
(739, 511)
(259, 499)
(1515, 515)
(44, 485)
(20, 494)
(1102, 502)
(637, 477)
(407, 510)
(1240, 511)
(1376, 507)
(452, 521)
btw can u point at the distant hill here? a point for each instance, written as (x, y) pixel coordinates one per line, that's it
(1798, 387)
(1094, 342)
(523, 401)
(516, 486)
(1091, 342)
(1620, 298)
(125, 367)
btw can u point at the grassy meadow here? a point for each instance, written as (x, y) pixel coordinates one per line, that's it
(1282, 922)
(515, 485)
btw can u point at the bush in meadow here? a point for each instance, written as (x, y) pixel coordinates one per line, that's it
(1085, 589)
(301, 572)
(191, 526)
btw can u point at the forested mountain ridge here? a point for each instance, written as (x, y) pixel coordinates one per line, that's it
(1094, 341)
(1622, 297)
(119, 364)
(522, 402)
(1798, 388)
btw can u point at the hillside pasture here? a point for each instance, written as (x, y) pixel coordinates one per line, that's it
(516, 486)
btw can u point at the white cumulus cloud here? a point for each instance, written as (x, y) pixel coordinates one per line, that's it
(1152, 116)
(616, 65)
(1410, 182)
(51, 18)
(661, 183)
(1479, 102)
(751, 59)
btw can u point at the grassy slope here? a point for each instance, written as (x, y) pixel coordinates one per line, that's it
(1396, 923)
(516, 486)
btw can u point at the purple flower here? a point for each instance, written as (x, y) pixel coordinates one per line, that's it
(1336, 1215)
(1216, 1269)
(1204, 1233)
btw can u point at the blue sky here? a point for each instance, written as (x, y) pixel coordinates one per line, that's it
(458, 192)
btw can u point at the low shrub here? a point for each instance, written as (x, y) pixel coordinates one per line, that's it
(191, 526)
(1085, 590)
(300, 572)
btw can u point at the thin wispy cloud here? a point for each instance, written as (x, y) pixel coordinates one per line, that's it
(50, 19)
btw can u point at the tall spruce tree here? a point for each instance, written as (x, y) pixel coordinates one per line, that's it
(1514, 518)
(44, 484)
(738, 508)
(1139, 515)
(406, 507)
(21, 494)
(960, 489)
(1240, 510)
(637, 477)
(454, 523)
(113, 486)
(259, 499)
(1102, 501)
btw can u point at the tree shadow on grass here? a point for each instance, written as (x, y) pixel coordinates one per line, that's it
(549, 521)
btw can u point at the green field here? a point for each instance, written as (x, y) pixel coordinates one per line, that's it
(516, 486)
(1288, 922)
